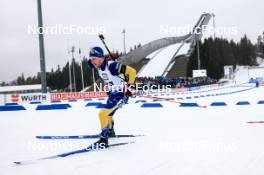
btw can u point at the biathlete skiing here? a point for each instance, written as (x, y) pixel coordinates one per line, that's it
(119, 79)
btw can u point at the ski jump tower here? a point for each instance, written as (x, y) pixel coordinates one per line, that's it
(138, 55)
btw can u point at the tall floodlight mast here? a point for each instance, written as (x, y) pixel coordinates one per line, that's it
(41, 50)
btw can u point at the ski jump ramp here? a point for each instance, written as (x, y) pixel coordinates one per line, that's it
(160, 45)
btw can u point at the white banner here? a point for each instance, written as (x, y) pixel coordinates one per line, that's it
(21, 98)
(199, 73)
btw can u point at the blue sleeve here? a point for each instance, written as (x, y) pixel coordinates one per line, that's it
(113, 68)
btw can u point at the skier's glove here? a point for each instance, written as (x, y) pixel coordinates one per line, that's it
(129, 90)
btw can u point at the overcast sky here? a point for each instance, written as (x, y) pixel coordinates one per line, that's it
(142, 19)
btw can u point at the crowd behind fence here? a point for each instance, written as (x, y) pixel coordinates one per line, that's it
(178, 82)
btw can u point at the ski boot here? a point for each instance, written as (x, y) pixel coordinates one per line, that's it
(111, 132)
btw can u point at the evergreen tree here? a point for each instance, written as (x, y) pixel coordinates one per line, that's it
(216, 53)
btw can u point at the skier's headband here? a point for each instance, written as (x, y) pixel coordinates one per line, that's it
(96, 52)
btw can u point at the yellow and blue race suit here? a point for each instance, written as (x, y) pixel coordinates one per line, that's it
(115, 75)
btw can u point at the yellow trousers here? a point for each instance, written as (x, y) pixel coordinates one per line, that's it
(106, 117)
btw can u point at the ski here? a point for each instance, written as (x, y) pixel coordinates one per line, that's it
(85, 136)
(92, 147)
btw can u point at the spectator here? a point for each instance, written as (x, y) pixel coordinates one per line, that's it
(178, 82)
